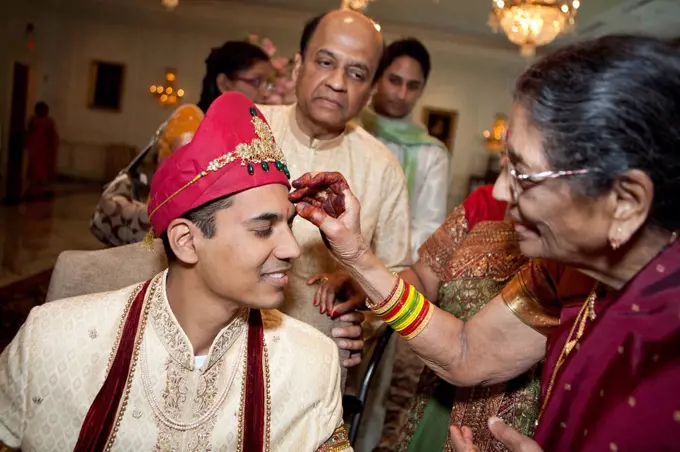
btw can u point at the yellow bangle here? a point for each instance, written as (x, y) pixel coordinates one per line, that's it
(410, 316)
(410, 297)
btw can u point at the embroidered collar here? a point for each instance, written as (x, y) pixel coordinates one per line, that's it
(176, 341)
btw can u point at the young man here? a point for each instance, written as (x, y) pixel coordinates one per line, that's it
(188, 360)
(402, 78)
(335, 71)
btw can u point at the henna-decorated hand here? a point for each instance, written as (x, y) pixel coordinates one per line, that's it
(461, 438)
(325, 200)
(322, 190)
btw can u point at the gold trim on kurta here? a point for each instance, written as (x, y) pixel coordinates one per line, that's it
(176, 342)
(190, 402)
(139, 336)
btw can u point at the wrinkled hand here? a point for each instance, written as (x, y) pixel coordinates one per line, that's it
(461, 439)
(325, 200)
(334, 286)
(350, 337)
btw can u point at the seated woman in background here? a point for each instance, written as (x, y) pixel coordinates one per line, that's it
(120, 217)
(591, 182)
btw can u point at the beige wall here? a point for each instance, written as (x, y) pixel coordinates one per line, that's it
(473, 80)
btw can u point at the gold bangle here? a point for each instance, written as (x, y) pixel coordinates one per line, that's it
(422, 325)
(401, 287)
(373, 306)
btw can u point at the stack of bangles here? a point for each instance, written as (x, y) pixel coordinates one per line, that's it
(405, 310)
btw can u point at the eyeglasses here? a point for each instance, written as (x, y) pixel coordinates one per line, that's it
(257, 82)
(533, 178)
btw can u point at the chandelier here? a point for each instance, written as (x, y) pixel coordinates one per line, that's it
(533, 23)
(355, 5)
(167, 93)
(494, 139)
(170, 4)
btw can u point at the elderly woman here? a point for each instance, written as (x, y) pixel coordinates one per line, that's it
(592, 183)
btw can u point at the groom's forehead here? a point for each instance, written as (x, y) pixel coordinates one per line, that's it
(267, 200)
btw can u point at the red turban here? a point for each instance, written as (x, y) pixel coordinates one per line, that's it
(233, 150)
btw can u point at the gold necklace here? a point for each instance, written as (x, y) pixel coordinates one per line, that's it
(587, 312)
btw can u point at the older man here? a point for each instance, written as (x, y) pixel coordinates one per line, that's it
(335, 70)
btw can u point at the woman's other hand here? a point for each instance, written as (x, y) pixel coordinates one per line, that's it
(461, 438)
(338, 288)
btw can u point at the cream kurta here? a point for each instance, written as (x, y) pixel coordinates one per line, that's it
(54, 367)
(376, 179)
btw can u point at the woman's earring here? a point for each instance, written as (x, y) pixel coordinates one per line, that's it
(616, 243)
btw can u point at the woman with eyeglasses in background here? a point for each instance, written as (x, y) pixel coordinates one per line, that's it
(236, 66)
(120, 217)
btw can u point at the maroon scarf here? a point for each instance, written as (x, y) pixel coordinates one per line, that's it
(97, 426)
(619, 390)
(254, 417)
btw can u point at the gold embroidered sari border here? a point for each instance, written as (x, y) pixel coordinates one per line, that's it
(522, 303)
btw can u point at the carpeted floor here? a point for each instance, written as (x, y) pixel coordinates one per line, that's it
(16, 301)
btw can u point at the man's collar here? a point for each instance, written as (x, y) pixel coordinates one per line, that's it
(307, 141)
(176, 341)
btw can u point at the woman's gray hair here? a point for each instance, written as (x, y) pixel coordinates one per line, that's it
(611, 105)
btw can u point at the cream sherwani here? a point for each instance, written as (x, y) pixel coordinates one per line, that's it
(376, 179)
(56, 364)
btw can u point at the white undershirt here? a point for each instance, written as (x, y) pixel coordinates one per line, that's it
(199, 361)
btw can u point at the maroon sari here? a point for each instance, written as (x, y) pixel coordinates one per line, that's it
(620, 389)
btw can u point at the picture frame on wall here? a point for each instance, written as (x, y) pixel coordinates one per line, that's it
(441, 124)
(107, 85)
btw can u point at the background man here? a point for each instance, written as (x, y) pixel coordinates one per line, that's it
(340, 52)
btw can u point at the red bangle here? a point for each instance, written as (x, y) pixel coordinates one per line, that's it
(421, 316)
(397, 307)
